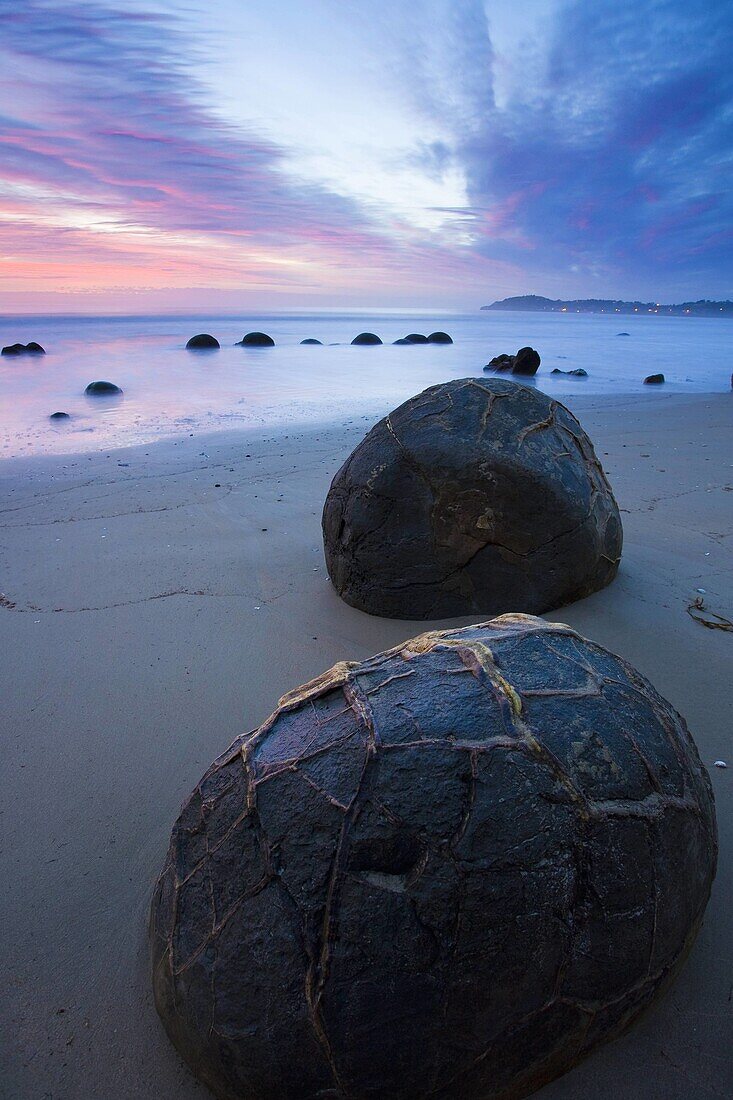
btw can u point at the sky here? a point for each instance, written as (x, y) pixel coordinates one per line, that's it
(181, 154)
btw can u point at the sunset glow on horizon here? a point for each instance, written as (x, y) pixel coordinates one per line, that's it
(159, 155)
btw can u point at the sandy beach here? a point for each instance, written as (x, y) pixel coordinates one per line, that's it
(158, 600)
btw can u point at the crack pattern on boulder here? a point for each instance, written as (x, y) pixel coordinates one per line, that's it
(476, 496)
(448, 871)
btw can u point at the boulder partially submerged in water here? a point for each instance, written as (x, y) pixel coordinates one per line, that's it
(654, 379)
(310, 340)
(526, 362)
(202, 341)
(451, 870)
(256, 340)
(101, 389)
(32, 348)
(499, 363)
(439, 338)
(577, 373)
(478, 495)
(59, 416)
(366, 338)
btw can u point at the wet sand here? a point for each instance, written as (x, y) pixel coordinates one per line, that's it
(159, 599)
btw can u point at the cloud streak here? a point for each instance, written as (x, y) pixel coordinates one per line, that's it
(612, 156)
(112, 156)
(586, 152)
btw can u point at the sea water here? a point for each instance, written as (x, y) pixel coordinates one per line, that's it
(169, 390)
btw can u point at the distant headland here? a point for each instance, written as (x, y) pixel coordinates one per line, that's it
(537, 304)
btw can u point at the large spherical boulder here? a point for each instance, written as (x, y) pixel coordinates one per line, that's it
(204, 341)
(478, 495)
(439, 338)
(450, 871)
(256, 340)
(311, 340)
(366, 338)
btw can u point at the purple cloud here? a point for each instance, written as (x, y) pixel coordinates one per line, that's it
(615, 156)
(112, 154)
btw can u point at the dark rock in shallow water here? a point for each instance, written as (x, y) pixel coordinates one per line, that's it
(99, 389)
(256, 340)
(623, 333)
(526, 362)
(653, 379)
(366, 338)
(310, 341)
(577, 373)
(457, 503)
(416, 338)
(202, 341)
(501, 362)
(31, 348)
(451, 870)
(59, 416)
(402, 340)
(439, 338)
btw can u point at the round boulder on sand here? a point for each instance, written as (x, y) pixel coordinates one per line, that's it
(478, 495)
(101, 389)
(203, 341)
(449, 871)
(59, 416)
(366, 338)
(256, 340)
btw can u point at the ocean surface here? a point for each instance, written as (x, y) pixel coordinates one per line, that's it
(169, 391)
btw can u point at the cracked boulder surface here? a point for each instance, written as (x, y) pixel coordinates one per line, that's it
(480, 495)
(448, 871)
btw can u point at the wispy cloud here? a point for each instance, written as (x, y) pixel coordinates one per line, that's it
(585, 149)
(612, 153)
(112, 161)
